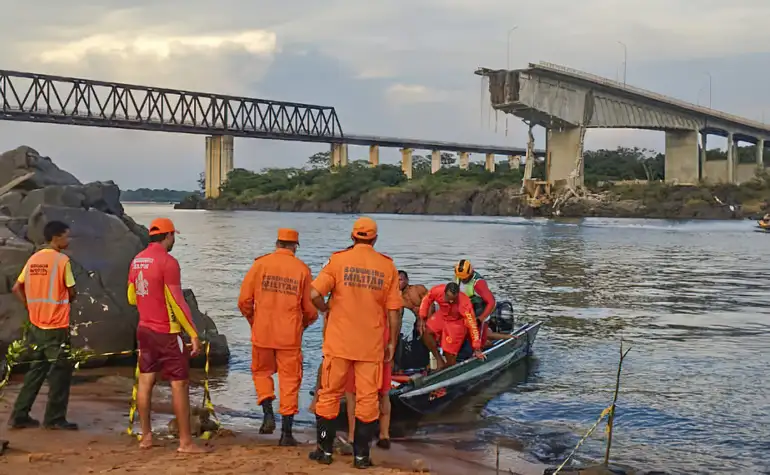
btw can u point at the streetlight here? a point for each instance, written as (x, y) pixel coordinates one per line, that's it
(625, 60)
(508, 67)
(709, 75)
(508, 56)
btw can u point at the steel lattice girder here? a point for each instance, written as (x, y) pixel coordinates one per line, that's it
(32, 97)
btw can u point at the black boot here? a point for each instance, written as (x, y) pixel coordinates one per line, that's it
(361, 440)
(287, 438)
(327, 432)
(268, 421)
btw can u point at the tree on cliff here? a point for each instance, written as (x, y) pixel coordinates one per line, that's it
(622, 163)
(320, 160)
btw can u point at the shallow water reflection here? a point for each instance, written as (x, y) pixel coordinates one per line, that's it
(689, 297)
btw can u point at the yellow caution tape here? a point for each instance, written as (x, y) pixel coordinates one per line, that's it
(604, 414)
(16, 349)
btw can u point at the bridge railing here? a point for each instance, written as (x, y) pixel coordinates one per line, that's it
(44, 98)
(650, 94)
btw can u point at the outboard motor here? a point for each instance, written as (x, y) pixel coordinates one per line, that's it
(502, 320)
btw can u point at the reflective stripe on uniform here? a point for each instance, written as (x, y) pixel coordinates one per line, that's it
(51, 284)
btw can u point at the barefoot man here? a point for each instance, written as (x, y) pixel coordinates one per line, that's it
(364, 292)
(155, 287)
(275, 299)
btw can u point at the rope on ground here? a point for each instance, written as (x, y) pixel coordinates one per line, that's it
(207, 404)
(604, 414)
(80, 356)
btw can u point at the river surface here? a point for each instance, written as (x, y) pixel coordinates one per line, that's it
(690, 299)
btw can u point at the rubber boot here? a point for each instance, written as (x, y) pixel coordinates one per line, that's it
(361, 439)
(287, 438)
(268, 421)
(326, 435)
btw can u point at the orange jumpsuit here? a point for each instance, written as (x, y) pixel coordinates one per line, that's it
(364, 286)
(451, 322)
(275, 298)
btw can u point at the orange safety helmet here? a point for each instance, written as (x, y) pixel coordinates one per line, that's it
(463, 269)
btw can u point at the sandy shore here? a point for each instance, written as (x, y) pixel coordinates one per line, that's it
(99, 404)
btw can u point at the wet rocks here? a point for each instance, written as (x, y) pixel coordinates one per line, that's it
(34, 191)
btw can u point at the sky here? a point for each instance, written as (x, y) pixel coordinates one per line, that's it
(389, 67)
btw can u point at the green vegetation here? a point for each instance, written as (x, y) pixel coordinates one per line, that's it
(155, 196)
(318, 182)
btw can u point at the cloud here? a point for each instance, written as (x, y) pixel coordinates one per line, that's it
(414, 93)
(158, 47)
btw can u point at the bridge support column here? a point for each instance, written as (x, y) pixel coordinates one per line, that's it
(514, 162)
(374, 155)
(760, 151)
(465, 161)
(343, 155)
(562, 149)
(682, 160)
(336, 155)
(730, 158)
(489, 163)
(406, 162)
(703, 148)
(435, 161)
(219, 163)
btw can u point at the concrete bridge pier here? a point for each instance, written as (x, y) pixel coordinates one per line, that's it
(374, 155)
(731, 153)
(746, 171)
(489, 164)
(562, 149)
(514, 162)
(435, 161)
(702, 156)
(406, 162)
(682, 157)
(219, 163)
(465, 161)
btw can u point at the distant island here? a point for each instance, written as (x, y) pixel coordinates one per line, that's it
(622, 183)
(148, 195)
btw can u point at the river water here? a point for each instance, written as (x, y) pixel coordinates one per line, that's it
(690, 299)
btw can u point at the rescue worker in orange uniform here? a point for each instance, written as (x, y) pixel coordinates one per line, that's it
(46, 286)
(450, 324)
(155, 288)
(275, 299)
(364, 293)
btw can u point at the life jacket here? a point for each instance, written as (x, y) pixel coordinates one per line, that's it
(44, 286)
(469, 289)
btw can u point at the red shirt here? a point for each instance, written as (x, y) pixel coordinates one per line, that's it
(460, 310)
(482, 290)
(155, 287)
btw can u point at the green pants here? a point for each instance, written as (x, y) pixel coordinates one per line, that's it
(49, 361)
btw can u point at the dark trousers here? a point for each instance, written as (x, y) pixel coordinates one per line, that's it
(48, 350)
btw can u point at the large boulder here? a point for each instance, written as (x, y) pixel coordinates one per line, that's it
(23, 160)
(34, 191)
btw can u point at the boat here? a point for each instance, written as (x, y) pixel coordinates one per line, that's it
(764, 224)
(430, 393)
(419, 392)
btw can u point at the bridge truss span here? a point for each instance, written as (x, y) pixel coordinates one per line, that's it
(43, 98)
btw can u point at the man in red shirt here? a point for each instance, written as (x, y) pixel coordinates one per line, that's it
(475, 286)
(449, 324)
(154, 286)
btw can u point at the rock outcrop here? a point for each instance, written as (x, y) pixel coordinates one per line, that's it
(34, 191)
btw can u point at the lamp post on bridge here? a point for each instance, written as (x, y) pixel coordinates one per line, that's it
(508, 67)
(508, 53)
(709, 75)
(625, 60)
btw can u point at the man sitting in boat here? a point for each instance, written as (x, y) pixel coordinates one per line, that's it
(450, 324)
(474, 286)
(764, 223)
